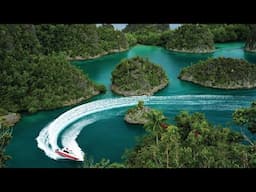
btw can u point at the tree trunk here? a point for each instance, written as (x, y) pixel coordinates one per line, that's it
(167, 157)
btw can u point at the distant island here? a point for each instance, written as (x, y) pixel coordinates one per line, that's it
(191, 39)
(137, 114)
(80, 41)
(229, 32)
(138, 76)
(222, 73)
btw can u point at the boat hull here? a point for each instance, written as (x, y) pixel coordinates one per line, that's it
(66, 155)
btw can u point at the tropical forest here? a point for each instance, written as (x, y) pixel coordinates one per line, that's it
(128, 95)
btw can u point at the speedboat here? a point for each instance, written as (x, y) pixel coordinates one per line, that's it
(67, 153)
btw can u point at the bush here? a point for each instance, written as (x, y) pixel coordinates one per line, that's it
(101, 88)
(3, 112)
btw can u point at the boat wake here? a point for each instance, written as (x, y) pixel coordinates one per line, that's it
(67, 126)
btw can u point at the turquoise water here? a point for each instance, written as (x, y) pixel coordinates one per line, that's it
(108, 135)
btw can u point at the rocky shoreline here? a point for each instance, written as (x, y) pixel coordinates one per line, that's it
(242, 85)
(115, 89)
(199, 51)
(227, 87)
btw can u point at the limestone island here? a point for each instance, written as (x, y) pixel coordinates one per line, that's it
(137, 114)
(222, 73)
(138, 76)
(191, 38)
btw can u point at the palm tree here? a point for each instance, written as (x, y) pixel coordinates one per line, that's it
(154, 123)
(170, 142)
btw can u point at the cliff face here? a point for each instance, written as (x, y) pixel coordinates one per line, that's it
(222, 73)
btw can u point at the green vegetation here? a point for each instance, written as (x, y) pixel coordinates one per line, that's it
(223, 73)
(137, 114)
(131, 39)
(250, 44)
(80, 41)
(246, 117)
(42, 82)
(138, 76)
(191, 143)
(111, 40)
(229, 32)
(191, 38)
(35, 73)
(5, 136)
(142, 27)
(146, 34)
(155, 124)
(3, 112)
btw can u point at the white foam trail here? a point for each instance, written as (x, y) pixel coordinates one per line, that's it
(69, 136)
(44, 144)
(47, 139)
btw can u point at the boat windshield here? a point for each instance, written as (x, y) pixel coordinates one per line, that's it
(66, 150)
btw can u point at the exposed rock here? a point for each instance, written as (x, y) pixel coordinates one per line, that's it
(10, 119)
(192, 50)
(139, 92)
